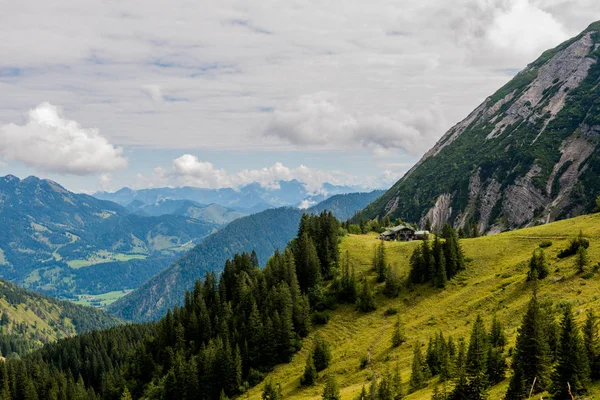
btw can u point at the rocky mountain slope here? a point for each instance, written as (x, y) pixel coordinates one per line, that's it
(263, 232)
(528, 154)
(49, 236)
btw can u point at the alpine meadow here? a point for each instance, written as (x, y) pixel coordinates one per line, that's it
(258, 201)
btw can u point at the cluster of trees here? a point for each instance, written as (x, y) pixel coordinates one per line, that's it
(228, 333)
(557, 359)
(316, 362)
(438, 263)
(472, 368)
(387, 387)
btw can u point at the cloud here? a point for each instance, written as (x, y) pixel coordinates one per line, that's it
(319, 120)
(154, 92)
(188, 170)
(50, 142)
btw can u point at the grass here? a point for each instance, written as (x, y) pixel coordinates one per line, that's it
(494, 283)
(100, 300)
(104, 257)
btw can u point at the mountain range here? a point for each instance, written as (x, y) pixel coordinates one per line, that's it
(63, 243)
(247, 199)
(262, 232)
(528, 154)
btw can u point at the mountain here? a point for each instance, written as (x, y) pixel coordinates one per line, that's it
(280, 194)
(263, 232)
(213, 213)
(344, 206)
(30, 319)
(528, 154)
(52, 238)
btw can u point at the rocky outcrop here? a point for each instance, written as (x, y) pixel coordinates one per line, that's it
(439, 214)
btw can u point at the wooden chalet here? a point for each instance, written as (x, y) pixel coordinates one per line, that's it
(403, 233)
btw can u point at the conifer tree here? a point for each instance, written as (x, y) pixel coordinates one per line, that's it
(366, 299)
(396, 385)
(384, 388)
(331, 390)
(532, 353)
(308, 267)
(363, 394)
(419, 371)
(321, 354)
(581, 259)
(393, 283)
(310, 372)
(126, 395)
(398, 335)
(592, 344)
(379, 261)
(439, 274)
(348, 290)
(572, 371)
(538, 268)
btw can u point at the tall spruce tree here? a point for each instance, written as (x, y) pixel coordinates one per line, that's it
(538, 269)
(419, 371)
(439, 273)
(581, 259)
(531, 355)
(398, 334)
(366, 298)
(331, 390)
(592, 343)
(310, 372)
(379, 261)
(572, 371)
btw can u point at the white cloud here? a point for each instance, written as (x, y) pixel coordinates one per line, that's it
(104, 181)
(319, 120)
(188, 170)
(52, 143)
(154, 92)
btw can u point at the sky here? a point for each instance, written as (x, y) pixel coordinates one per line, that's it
(98, 95)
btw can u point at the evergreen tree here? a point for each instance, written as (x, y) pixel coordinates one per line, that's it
(572, 372)
(592, 344)
(478, 348)
(398, 335)
(308, 267)
(348, 291)
(581, 259)
(310, 372)
(538, 268)
(379, 261)
(392, 284)
(126, 395)
(366, 299)
(321, 354)
(439, 274)
(419, 371)
(496, 364)
(396, 385)
(331, 390)
(531, 355)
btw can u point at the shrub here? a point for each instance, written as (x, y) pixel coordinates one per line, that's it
(390, 311)
(545, 244)
(575, 244)
(320, 317)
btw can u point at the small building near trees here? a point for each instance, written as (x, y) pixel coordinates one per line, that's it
(403, 233)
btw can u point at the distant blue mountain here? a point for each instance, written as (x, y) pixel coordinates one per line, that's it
(288, 193)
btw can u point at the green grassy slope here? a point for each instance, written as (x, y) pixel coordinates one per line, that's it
(494, 283)
(29, 320)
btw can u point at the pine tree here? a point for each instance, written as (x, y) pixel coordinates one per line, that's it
(439, 275)
(308, 266)
(572, 371)
(419, 370)
(310, 372)
(497, 337)
(478, 348)
(396, 385)
(581, 259)
(538, 268)
(384, 388)
(366, 299)
(321, 354)
(379, 261)
(331, 390)
(416, 274)
(532, 353)
(126, 395)
(393, 283)
(592, 344)
(398, 335)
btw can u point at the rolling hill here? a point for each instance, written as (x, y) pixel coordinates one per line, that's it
(528, 154)
(30, 320)
(49, 236)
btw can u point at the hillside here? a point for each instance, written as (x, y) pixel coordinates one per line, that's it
(263, 232)
(30, 320)
(493, 284)
(50, 237)
(529, 153)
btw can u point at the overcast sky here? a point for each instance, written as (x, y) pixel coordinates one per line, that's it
(104, 94)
